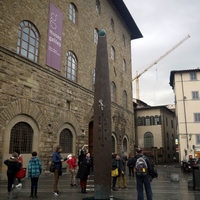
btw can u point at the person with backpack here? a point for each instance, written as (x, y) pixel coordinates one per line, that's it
(143, 171)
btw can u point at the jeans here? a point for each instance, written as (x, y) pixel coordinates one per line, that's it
(34, 185)
(146, 181)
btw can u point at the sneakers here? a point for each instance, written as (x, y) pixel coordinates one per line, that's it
(19, 185)
(55, 194)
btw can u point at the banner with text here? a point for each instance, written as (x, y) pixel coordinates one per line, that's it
(54, 45)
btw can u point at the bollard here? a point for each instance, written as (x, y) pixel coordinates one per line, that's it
(174, 177)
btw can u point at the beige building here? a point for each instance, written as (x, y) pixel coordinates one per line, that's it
(155, 131)
(186, 86)
(48, 55)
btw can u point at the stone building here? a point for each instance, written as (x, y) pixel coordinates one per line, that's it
(155, 131)
(48, 57)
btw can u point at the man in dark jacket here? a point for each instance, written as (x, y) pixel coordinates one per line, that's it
(13, 166)
(143, 178)
(57, 159)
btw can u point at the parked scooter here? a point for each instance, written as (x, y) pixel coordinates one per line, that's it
(185, 166)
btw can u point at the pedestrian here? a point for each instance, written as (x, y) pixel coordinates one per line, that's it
(84, 171)
(13, 166)
(116, 163)
(34, 171)
(174, 158)
(57, 159)
(122, 175)
(143, 170)
(20, 160)
(71, 161)
(130, 165)
(80, 157)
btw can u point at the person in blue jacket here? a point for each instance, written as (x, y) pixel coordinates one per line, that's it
(57, 159)
(34, 171)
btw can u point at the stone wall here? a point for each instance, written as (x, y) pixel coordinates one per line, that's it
(43, 97)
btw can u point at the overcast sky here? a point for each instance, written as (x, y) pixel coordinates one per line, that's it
(163, 24)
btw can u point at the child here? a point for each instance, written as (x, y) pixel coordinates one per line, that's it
(20, 160)
(34, 171)
(72, 169)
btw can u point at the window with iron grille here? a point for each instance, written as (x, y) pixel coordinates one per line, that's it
(66, 140)
(28, 41)
(21, 138)
(148, 140)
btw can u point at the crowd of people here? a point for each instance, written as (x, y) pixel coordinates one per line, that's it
(81, 169)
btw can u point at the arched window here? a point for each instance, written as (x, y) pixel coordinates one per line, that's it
(124, 99)
(93, 79)
(112, 53)
(21, 138)
(123, 41)
(124, 145)
(73, 13)
(96, 36)
(71, 66)
(148, 140)
(98, 6)
(124, 65)
(112, 25)
(113, 144)
(113, 92)
(66, 140)
(28, 41)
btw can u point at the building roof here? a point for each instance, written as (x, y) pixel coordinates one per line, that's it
(127, 18)
(171, 79)
(155, 107)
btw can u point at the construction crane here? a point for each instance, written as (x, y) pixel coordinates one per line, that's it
(154, 63)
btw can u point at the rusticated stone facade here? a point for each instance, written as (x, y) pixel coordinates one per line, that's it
(43, 97)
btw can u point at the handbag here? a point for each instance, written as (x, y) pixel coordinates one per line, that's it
(21, 173)
(115, 172)
(52, 167)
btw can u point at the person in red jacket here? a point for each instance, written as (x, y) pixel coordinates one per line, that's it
(71, 161)
(20, 160)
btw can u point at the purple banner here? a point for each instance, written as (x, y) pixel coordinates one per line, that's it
(54, 45)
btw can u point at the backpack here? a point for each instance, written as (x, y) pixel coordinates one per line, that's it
(141, 166)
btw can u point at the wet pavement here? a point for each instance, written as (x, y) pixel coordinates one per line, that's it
(163, 187)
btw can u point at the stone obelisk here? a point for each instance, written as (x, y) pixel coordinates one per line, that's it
(102, 122)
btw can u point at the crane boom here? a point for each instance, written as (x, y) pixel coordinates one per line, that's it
(154, 63)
